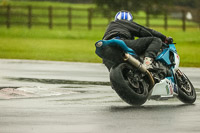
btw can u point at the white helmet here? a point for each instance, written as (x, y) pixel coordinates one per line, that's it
(124, 15)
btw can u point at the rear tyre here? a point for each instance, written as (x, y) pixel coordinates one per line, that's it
(130, 84)
(186, 91)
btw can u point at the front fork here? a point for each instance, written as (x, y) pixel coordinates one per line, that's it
(182, 81)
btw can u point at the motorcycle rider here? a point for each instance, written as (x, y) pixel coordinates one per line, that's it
(149, 41)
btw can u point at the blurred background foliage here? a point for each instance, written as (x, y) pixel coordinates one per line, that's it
(151, 6)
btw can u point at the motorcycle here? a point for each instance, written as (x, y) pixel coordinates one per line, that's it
(135, 84)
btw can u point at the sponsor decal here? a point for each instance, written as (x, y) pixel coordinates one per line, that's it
(177, 56)
(167, 89)
(171, 89)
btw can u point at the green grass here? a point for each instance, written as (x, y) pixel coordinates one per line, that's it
(78, 45)
(44, 44)
(48, 49)
(56, 33)
(189, 54)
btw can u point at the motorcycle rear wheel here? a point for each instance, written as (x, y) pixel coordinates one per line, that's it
(186, 91)
(130, 84)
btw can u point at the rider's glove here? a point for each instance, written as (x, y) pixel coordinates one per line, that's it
(169, 40)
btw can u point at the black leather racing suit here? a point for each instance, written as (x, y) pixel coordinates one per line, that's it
(148, 43)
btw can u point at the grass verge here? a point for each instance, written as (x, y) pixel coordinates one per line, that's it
(78, 44)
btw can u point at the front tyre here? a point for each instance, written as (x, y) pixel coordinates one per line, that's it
(186, 91)
(130, 84)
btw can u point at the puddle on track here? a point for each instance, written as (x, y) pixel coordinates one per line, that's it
(59, 81)
(49, 87)
(71, 90)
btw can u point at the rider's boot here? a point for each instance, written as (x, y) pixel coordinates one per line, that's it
(148, 62)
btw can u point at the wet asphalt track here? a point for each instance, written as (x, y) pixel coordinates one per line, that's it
(63, 97)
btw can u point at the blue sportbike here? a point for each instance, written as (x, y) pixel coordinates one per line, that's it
(135, 84)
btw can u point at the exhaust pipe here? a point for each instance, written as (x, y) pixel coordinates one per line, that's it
(135, 62)
(140, 66)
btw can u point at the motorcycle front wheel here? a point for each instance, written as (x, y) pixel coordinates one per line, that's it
(130, 84)
(186, 91)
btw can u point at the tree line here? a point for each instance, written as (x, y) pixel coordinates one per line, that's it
(149, 6)
(154, 6)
